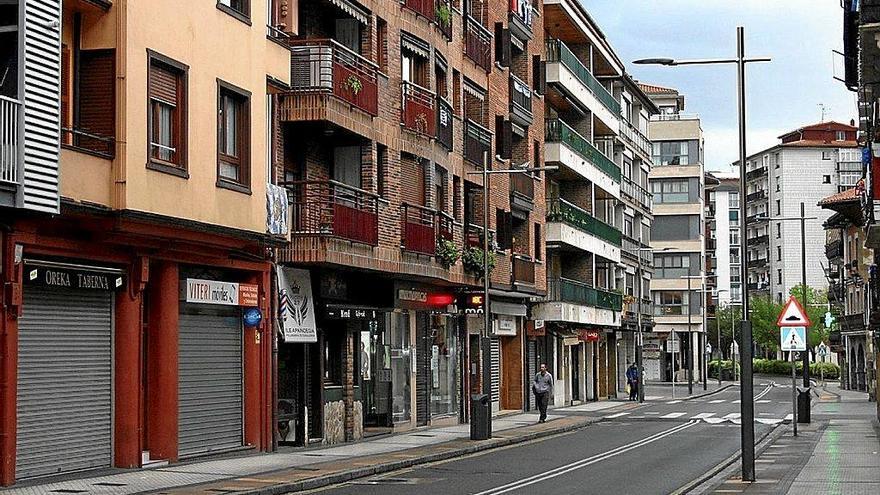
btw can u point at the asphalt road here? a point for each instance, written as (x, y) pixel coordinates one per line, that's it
(654, 448)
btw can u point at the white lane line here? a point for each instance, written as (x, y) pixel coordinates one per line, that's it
(673, 415)
(717, 401)
(764, 401)
(553, 473)
(652, 412)
(703, 416)
(612, 416)
(769, 421)
(737, 401)
(765, 391)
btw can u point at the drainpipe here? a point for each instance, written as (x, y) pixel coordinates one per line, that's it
(118, 200)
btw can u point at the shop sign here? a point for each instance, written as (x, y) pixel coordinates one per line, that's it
(252, 317)
(535, 328)
(222, 293)
(651, 347)
(570, 341)
(588, 335)
(73, 278)
(412, 295)
(505, 325)
(296, 305)
(343, 313)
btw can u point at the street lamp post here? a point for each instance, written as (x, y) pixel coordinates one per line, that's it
(718, 335)
(484, 344)
(747, 404)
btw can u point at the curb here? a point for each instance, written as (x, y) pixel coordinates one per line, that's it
(706, 394)
(721, 468)
(351, 474)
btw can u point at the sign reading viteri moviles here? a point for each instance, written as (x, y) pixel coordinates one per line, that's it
(296, 305)
(76, 278)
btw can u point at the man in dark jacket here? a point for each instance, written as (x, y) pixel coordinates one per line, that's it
(632, 379)
(542, 386)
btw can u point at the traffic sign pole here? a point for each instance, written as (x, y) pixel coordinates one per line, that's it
(793, 394)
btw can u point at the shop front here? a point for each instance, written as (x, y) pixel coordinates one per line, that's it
(540, 349)
(507, 351)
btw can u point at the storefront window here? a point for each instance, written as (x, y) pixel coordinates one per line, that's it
(444, 365)
(401, 366)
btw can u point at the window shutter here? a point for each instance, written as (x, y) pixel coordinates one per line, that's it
(413, 177)
(503, 47)
(506, 151)
(539, 74)
(163, 84)
(504, 227)
(65, 91)
(97, 102)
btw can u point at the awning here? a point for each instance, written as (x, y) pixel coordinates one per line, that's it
(510, 309)
(415, 45)
(472, 89)
(441, 61)
(353, 9)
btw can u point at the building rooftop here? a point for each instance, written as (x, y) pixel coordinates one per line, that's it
(653, 89)
(847, 196)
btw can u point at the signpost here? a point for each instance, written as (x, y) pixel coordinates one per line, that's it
(822, 351)
(793, 323)
(672, 344)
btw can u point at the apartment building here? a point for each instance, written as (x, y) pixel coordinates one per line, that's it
(848, 270)
(677, 239)
(808, 164)
(723, 240)
(135, 232)
(393, 111)
(583, 121)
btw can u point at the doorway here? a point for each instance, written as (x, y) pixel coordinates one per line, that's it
(375, 374)
(575, 372)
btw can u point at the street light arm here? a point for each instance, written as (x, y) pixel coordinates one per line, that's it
(700, 61)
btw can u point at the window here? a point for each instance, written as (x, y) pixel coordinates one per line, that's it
(240, 9)
(778, 253)
(672, 266)
(776, 160)
(733, 199)
(778, 207)
(670, 191)
(166, 120)
(233, 137)
(381, 169)
(734, 215)
(676, 228)
(734, 237)
(779, 276)
(840, 136)
(89, 122)
(849, 179)
(456, 197)
(441, 188)
(382, 52)
(826, 179)
(826, 155)
(672, 152)
(779, 231)
(538, 243)
(670, 303)
(734, 256)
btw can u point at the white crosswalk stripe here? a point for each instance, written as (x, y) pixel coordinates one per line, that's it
(673, 415)
(789, 417)
(673, 402)
(732, 416)
(703, 416)
(612, 416)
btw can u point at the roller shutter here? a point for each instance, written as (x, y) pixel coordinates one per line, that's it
(531, 371)
(64, 382)
(495, 362)
(210, 381)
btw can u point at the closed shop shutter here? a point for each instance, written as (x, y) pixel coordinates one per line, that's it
(210, 381)
(531, 370)
(64, 382)
(423, 371)
(495, 362)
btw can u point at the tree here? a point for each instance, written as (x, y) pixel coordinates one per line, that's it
(727, 317)
(763, 313)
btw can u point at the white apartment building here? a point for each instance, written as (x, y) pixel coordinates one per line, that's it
(808, 164)
(723, 245)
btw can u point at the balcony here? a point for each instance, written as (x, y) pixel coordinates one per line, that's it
(424, 8)
(756, 173)
(636, 139)
(444, 123)
(326, 67)
(523, 272)
(834, 249)
(522, 191)
(757, 218)
(576, 302)
(330, 208)
(418, 110)
(520, 102)
(521, 18)
(566, 146)
(835, 293)
(635, 249)
(418, 227)
(637, 193)
(563, 211)
(758, 286)
(436, 11)
(474, 236)
(756, 196)
(477, 142)
(572, 77)
(477, 43)
(851, 323)
(757, 263)
(761, 239)
(566, 290)
(10, 116)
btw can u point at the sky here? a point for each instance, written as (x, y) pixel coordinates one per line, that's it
(799, 35)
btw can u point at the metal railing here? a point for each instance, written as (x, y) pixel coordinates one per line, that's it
(474, 236)
(477, 43)
(757, 263)
(563, 211)
(675, 116)
(567, 290)
(418, 229)
(635, 249)
(557, 51)
(445, 226)
(444, 123)
(523, 271)
(523, 184)
(417, 112)
(761, 239)
(100, 145)
(756, 196)
(335, 209)
(834, 249)
(756, 173)
(477, 140)
(637, 192)
(557, 130)
(635, 138)
(324, 65)
(520, 95)
(10, 111)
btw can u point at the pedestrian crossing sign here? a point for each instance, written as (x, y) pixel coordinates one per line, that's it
(793, 338)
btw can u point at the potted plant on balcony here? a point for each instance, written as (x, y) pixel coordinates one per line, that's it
(354, 84)
(447, 253)
(472, 260)
(444, 15)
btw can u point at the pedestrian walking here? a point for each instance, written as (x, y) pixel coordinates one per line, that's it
(542, 387)
(632, 381)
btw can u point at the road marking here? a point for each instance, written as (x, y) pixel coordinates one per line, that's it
(612, 416)
(714, 421)
(703, 416)
(732, 416)
(788, 417)
(717, 401)
(553, 473)
(674, 401)
(737, 401)
(673, 415)
(764, 401)
(770, 421)
(652, 412)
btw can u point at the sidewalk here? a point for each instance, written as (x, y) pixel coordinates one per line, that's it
(838, 453)
(301, 469)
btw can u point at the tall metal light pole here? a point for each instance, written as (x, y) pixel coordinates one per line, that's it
(804, 411)
(718, 334)
(747, 404)
(484, 344)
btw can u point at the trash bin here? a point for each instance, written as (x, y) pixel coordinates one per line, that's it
(803, 405)
(481, 409)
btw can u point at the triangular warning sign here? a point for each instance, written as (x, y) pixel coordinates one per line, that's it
(793, 340)
(793, 315)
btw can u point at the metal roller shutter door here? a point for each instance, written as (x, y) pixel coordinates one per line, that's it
(531, 371)
(64, 382)
(495, 361)
(210, 382)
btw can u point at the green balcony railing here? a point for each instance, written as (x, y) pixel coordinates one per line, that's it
(563, 211)
(558, 52)
(557, 131)
(565, 290)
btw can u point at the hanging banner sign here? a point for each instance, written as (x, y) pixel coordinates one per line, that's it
(296, 305)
